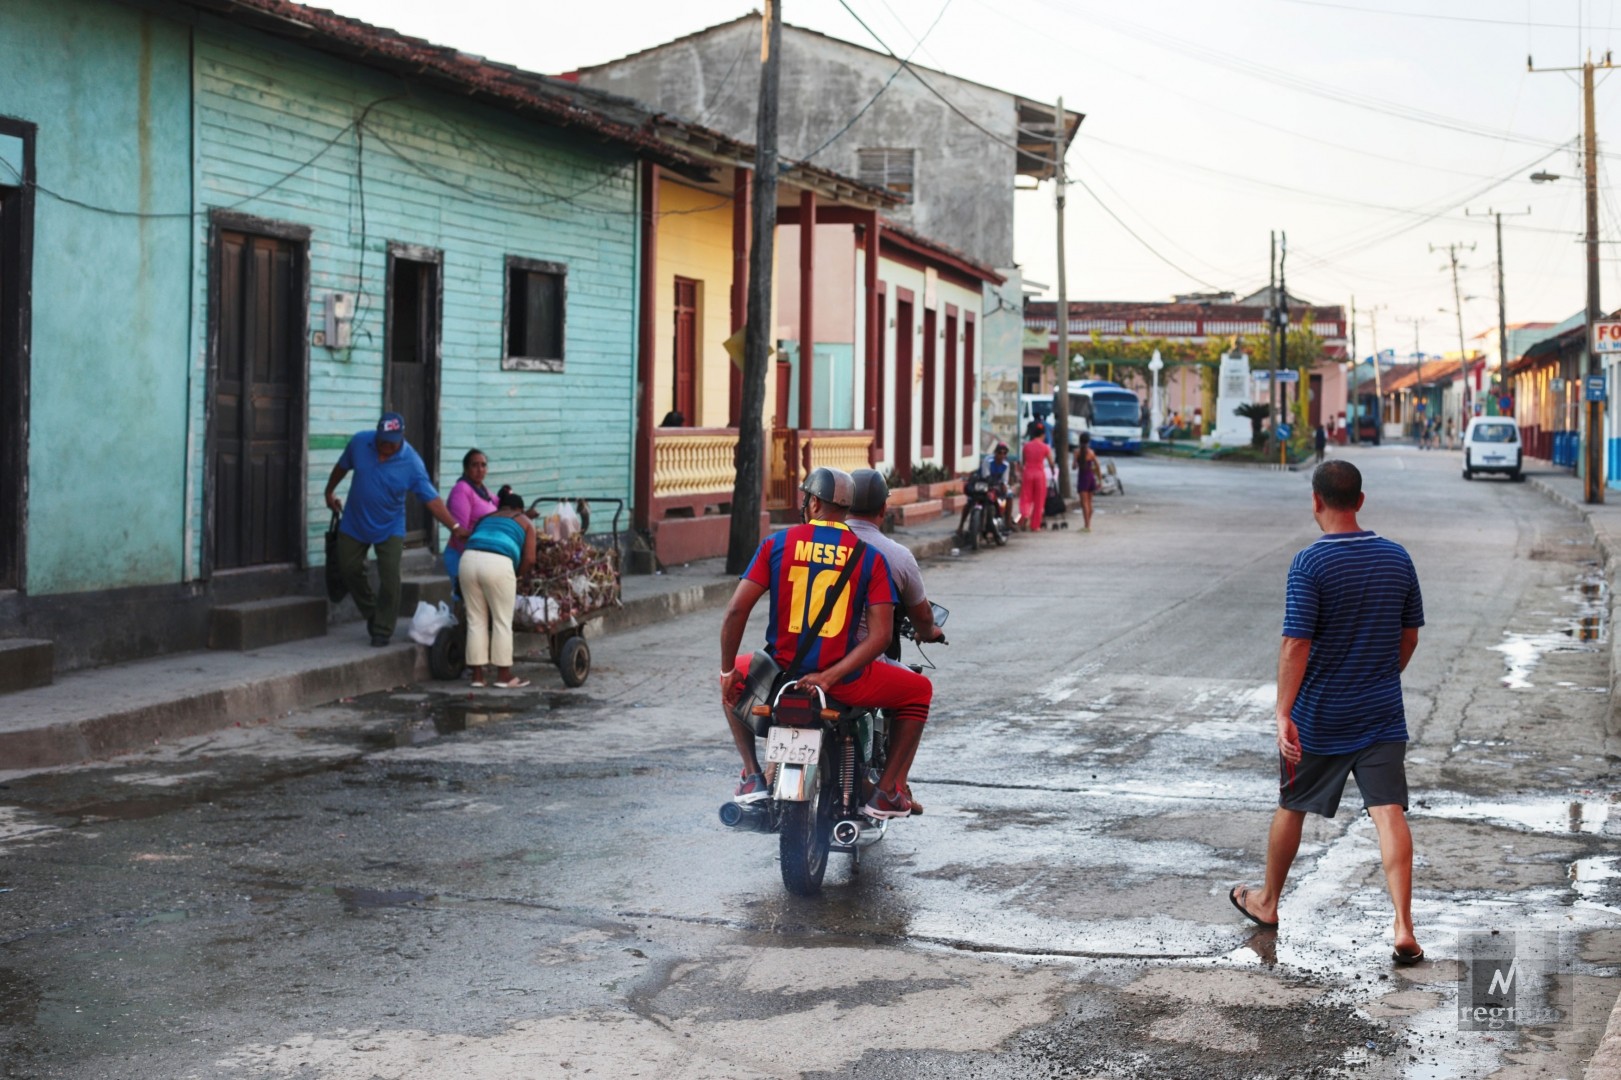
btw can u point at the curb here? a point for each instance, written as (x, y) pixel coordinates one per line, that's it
(125, 730)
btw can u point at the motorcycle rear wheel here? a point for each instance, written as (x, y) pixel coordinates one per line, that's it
(807, 831)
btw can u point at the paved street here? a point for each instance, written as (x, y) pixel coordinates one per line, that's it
(419, 884)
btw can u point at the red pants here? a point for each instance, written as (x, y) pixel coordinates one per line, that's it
(883, 685)
(1033, 498)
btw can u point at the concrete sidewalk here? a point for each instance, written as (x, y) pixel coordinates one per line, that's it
(1605, 520)
(105, 712)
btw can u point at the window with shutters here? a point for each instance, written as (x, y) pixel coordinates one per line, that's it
(534, 318)
(889, 167)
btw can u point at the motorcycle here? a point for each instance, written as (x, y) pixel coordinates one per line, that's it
(822, 760)
(987, 523)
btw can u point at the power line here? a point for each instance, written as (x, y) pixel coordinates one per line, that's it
(1135, 236)
(1516, 23)
(1223, 59)
(837, 135)
(945, 100)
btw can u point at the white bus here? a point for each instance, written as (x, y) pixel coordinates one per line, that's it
(1113, 414)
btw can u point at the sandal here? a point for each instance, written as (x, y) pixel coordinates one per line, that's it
(513, 683)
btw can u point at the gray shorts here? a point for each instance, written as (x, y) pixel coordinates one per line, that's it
(1316, 782)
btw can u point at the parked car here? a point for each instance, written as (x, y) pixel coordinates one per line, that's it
(1491, 444)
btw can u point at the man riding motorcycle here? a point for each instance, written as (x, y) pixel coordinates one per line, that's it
(797, 567)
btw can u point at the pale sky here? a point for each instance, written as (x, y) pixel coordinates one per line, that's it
(1178, 96)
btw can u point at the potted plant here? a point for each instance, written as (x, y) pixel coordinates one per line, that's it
(902, 491)
(933, 482)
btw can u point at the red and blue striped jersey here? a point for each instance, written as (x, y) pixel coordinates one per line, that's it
(799, 567)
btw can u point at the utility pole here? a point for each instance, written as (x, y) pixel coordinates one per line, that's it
(1355, 405)
(1593, 474)
(1283, 318)
(1463, 352)
(747, 489)
(1418, 356)
(1272, 340)
(1378, 379)
(1501, 380)
(1066, 488)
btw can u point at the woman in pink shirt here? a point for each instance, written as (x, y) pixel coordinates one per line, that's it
(1033, 476)
(469, 501)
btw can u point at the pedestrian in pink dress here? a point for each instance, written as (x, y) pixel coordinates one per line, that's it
(1033, 476)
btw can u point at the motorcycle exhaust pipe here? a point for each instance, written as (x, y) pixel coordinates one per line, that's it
(753, 817)
(847, 833)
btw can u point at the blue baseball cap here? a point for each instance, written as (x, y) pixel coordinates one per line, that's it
(391, 428)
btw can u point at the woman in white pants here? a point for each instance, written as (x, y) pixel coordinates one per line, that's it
(501, 549)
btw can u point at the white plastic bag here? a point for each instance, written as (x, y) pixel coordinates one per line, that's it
(533, 610)
(563, 523)
(429, 620)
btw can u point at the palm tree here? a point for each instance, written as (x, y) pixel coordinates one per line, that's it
(1255, 412)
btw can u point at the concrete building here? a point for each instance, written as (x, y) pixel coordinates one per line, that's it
(950, 147)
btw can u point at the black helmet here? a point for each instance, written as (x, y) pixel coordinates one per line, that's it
(869, 493)
(832, 486)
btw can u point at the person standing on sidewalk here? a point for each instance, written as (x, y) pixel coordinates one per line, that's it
(1351, 619)
(386, 468)
(1033, 476)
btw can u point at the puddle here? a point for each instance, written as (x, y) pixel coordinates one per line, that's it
(357, 899)
(1547, 816)
(1576, 633)
(1598, 881)
(445, 718)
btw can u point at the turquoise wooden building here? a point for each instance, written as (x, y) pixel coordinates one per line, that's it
(234, 231)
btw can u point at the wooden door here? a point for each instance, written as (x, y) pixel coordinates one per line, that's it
(1316, 406)
(970, 390)
(931, 353)
(411, 375)
(684, 398)
(948, 454)
(258, 403)
(904, 397)
(882, 382)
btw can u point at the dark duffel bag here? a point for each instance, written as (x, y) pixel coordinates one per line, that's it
(336, 590)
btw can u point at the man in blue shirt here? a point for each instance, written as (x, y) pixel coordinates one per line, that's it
(1351, 618)
(385, 468)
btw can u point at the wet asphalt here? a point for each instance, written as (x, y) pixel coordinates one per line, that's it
(431, 882)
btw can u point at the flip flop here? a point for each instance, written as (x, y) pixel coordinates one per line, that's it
(476, 684)
(1232, 894)
(513, 683)
(1406, 959)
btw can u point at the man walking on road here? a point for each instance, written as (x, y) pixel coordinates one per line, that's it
(386, 468)
(1350, 625)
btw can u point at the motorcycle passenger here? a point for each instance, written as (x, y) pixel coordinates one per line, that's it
(788, 565)
(867, 504)
(994, 467)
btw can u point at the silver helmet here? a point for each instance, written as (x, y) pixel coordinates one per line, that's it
(832, 486)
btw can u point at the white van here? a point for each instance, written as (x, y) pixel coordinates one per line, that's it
(1492, 444)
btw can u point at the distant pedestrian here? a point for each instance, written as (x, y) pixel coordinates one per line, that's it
(1033, 476)
(1451, 427)
(500, 551)
(1086, 478)
(1320, 441)
(1351, 619)
(386, 468)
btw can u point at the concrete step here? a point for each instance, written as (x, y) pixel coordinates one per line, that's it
(953, 504)
(428, 588)
(26, 663)
(258, 624)
(913, 513)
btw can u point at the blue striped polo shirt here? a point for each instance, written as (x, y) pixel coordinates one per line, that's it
(1351, 595)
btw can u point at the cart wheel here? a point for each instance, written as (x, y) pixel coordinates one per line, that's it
(447, 656)
(574, 661)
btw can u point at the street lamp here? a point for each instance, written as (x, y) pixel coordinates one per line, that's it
(1540, 177)
(1156, 408)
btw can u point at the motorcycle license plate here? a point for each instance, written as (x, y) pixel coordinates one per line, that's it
(793, 746)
